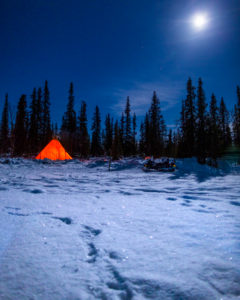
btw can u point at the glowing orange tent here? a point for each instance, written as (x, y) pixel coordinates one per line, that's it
(54, 151)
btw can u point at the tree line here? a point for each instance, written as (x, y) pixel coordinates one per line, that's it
(203, 129)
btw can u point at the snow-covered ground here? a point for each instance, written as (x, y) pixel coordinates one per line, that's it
(76, 231)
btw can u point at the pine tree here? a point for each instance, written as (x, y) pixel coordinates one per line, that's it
(84, 141)
(134, 128)
(71, 114)
(127, 136)
(169, 148)
(21, 128)
(108, 134)
(163, 131)
(225, 132)
(142, 139)
(64, 125)
(4, 130)
(236, 120)
(69, 124)
(96, 146)
(182, 132)
(157, 127)
(213, 132)
(33, 126)
(12, 124)
(46, 119)
(188, 118)
(116, 143)
(147, 136)
(39, 118)
(121, 134)
(201, 118)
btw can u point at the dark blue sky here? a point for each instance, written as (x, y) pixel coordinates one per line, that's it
(111, 49)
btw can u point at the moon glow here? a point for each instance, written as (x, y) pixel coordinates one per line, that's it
(199, 21)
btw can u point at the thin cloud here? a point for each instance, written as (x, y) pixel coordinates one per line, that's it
(169, 95)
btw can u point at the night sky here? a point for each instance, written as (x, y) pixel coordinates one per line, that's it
(112, 49)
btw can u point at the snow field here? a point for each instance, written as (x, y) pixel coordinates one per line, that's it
(76, 231)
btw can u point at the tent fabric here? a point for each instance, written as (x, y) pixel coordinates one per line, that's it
(54, 151)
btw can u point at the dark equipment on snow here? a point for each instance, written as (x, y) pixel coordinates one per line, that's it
(164, 164)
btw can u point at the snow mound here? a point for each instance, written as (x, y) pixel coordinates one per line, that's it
(202, 172)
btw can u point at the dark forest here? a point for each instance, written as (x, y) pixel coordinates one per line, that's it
(205, 128)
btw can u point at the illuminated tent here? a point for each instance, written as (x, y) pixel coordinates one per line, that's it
(54, 151)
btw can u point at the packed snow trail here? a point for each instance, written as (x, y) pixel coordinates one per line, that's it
(76, 231)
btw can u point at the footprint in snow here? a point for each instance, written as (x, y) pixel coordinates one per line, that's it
(14, 208)
(93, 253)
(187, 197)
(3, 188)
(171, 199)
(92, 231)
(186, 204)
(235, 203)
(65, 220)
(120, 283)
(34, 191)
(202, 211)
(114, 255)
(127, 193)
(17, 214)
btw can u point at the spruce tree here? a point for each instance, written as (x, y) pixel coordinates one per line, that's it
(4, 129)
(46, 119)
(213, 132)
(83, 139)
(21, 128)
(236, 120)
(121, 134)
(201, 118)
(182, 132)
(39, 117)
(225, 132)
(128, 146)
(147, 136)
(134, 132)
(71, 114)
(189, 120)
(96, 146)
(169, 148)
(64, 125)
(69, 124)
(33, 137)
(163, 128)
(142, 139)
(108, 134)
(157, 127)
(12, 117)
(116, 150)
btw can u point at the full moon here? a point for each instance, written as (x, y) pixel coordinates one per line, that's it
(199, 21)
